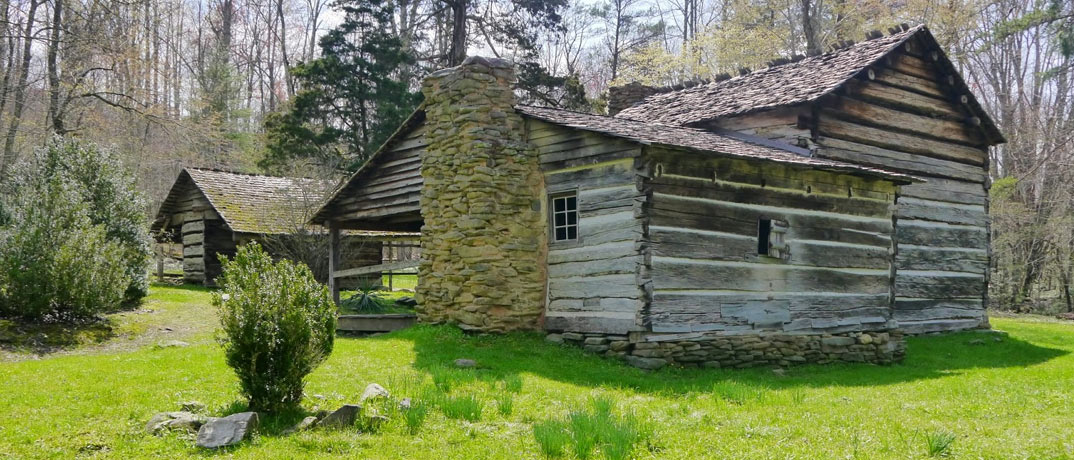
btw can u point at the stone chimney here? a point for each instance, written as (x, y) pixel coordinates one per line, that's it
(484, 242)
(625, 96)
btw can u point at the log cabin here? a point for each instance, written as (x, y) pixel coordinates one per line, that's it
(211, 212)
(786, 216)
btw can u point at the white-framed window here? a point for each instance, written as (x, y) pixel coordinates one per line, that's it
(564, 216)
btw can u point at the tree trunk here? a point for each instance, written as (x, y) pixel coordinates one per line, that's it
(20, 92)
(458, 32)
(54, 113)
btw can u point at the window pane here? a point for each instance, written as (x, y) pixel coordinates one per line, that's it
(561, 234)
(561, 219)
(572, 203)
(558, 204)
(572, 218)
(572, 233)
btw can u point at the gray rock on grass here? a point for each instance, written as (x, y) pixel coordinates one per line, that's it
(227, 431)
(301, 426)
(174, 421)
(373, 391)
(342, 417)
(465, 363)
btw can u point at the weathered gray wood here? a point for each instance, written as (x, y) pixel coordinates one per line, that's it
(606, 325)
(854, 152)
(591, 252)
(674, 242)
(581, 287)
(679, 274)
(939, 285)
(615, 265)
(671, 211)
(883, 117)
(945, 259)
(953, 191)
(601, 175)
(831, 126)
(938, 211)
(906, 100)
(726, 191)
(940, 235)
(391, 266)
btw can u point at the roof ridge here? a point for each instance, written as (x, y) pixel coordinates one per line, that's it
(743, 72)
(240, 173)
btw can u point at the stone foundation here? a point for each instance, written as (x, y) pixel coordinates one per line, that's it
(653, 351)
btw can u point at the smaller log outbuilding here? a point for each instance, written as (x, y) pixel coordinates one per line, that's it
(212, 212)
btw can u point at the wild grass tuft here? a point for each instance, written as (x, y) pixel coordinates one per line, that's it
(513, 383)
(461, 407)
(505, 403)
(736, 392)
(938, 443)
(415, 416)
(598, 428)
(552, 437)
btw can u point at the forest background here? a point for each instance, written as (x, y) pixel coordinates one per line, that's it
(312, 87)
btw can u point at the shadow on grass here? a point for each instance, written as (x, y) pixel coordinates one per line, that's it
(26, 337)
(501, 357)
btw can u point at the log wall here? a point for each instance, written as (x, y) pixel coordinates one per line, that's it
(395, 187)
(909, 119)
(701, 227)
(593, 283)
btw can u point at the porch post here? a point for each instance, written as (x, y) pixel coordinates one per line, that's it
(333, 260)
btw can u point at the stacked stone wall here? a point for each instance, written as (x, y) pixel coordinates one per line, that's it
(484, 245)
(653, 350)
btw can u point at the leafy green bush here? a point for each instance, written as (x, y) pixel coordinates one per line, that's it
(73, 235)
(278, 325)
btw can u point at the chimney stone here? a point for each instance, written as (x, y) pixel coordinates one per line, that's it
(484, 242)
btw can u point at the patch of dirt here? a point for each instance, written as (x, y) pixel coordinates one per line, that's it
(1066, 316)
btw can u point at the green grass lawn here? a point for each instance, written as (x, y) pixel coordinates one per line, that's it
(1008, 399)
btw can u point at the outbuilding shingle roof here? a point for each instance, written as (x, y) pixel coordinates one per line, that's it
(254, 204)
(698, 140)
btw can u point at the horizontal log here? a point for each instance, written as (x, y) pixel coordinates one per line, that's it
(679, 311)
(924, 233)
(672, 211)
(885, 118)
(947, 190)
(770, 175)
(611, 323)
(938, 285)
(608, 266)
(938, 211)
(594, 176)
(388, 267)
(911, 83)
(912, 257)
(685, 243)
(900, 98)
(606, 200)
(854, 152)
(831, 126)
(746, 194)
(590, 252)
(605, 228)
(669, 273)
(777, 117)
(592, 304)
(191, 226)
(582, 287)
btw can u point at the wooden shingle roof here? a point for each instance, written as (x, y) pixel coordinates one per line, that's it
(789, 84)
(698, 140)
(248, 203)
